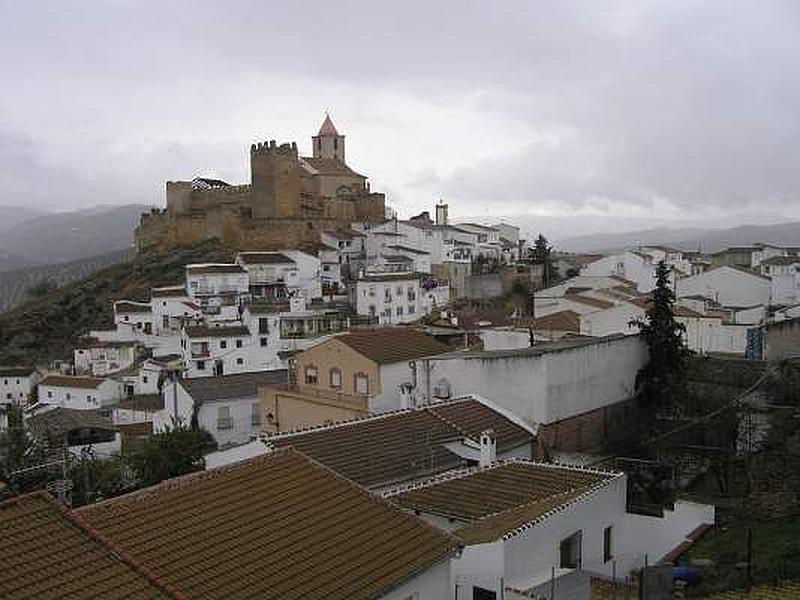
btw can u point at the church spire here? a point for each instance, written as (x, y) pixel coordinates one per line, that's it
(328, 129)
(328, 143)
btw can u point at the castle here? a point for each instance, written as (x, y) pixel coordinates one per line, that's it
(289, 201)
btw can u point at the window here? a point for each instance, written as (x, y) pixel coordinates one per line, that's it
(89, 399)
(372, 310)
(144, 378)
(399, 291)
(238, 343)
(311, 375)
(223, 344)
(361, 383)
(372, 291)
(263, 325)
(49, 394)
(263, 342)
(255, 415)
(201, 365)
(608, 547)
(9, 396)
(224, 420)
(399, 311)
(479, 593)
(336, 378)
(240, 361)
(411, 309)
(570, 551)
(69, 396)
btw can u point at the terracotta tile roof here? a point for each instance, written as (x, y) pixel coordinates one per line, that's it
(264, 258)
(151, 402)
(59, 421)
(226, 387)
(209, 268)
(47, 553)
(201, 331)
(494, 502)
(563, 320)
(89, 383)
(384, 277)
(277, 526)
(330, 166)
(126, 306)
(395, 447)
(589, 301)
(391, 344)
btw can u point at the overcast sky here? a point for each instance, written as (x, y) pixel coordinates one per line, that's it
(689, 111)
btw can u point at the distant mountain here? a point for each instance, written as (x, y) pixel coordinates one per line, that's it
(63, 237)
(14, 285)
(10, 261)
(11, 216)
(705, 239)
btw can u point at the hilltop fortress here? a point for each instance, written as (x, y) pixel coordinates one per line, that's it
(289, 201)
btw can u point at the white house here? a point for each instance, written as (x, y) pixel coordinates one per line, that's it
(133, 317)
(784, 273)
(217, 287)
(526, 526)
(17, 384)
(212, 351)
(564, 388)
(77, 392)
(101, 358)
(172, 308)
(227, 406)
(730, 286)
(391, 297)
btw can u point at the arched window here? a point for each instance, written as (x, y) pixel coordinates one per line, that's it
(311, 375)
(361, 383)
(336, 378)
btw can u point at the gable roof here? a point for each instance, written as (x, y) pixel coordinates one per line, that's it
(48, 553)
(275, 526)
(127, 306)
(227, 387)
(69, 381)
(394, 447)
(391, 344)
(495, 502)
(589, 301)
(563, 320)
(16, 371)
(59, 421)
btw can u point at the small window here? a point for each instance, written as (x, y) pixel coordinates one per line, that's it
(238, 343)
(9, 396)
(479, 593)
(144, 378)
(224, 420)
(255, 415)
(399, 311)
(570, 551)
(69, 396)
(263, 342)
(311, 375)
(608, 547)
(223, 344)
(240, 361)
(89, 399)
(336, 378)
(361, 383)
(201, 365)
(263, 325)
(49, 394)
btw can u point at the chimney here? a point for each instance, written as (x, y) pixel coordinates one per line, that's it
(488, 448)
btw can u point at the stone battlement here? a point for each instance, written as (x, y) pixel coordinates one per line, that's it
(272, 148)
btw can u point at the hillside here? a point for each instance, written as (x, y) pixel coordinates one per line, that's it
(15, 284)
(42, 330)
(11, 216)
(63, 237)
(707, 239)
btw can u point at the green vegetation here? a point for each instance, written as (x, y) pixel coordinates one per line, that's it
(48, 328)
(722, 553)
(176, 450)
(660, 381)
(541, 254)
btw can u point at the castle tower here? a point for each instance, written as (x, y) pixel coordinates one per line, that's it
(275, 180)
(441, 213)
(328, 143)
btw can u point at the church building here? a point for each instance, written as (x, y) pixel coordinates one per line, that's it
(289, 201)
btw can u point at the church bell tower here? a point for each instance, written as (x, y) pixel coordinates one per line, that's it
(328, 143)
